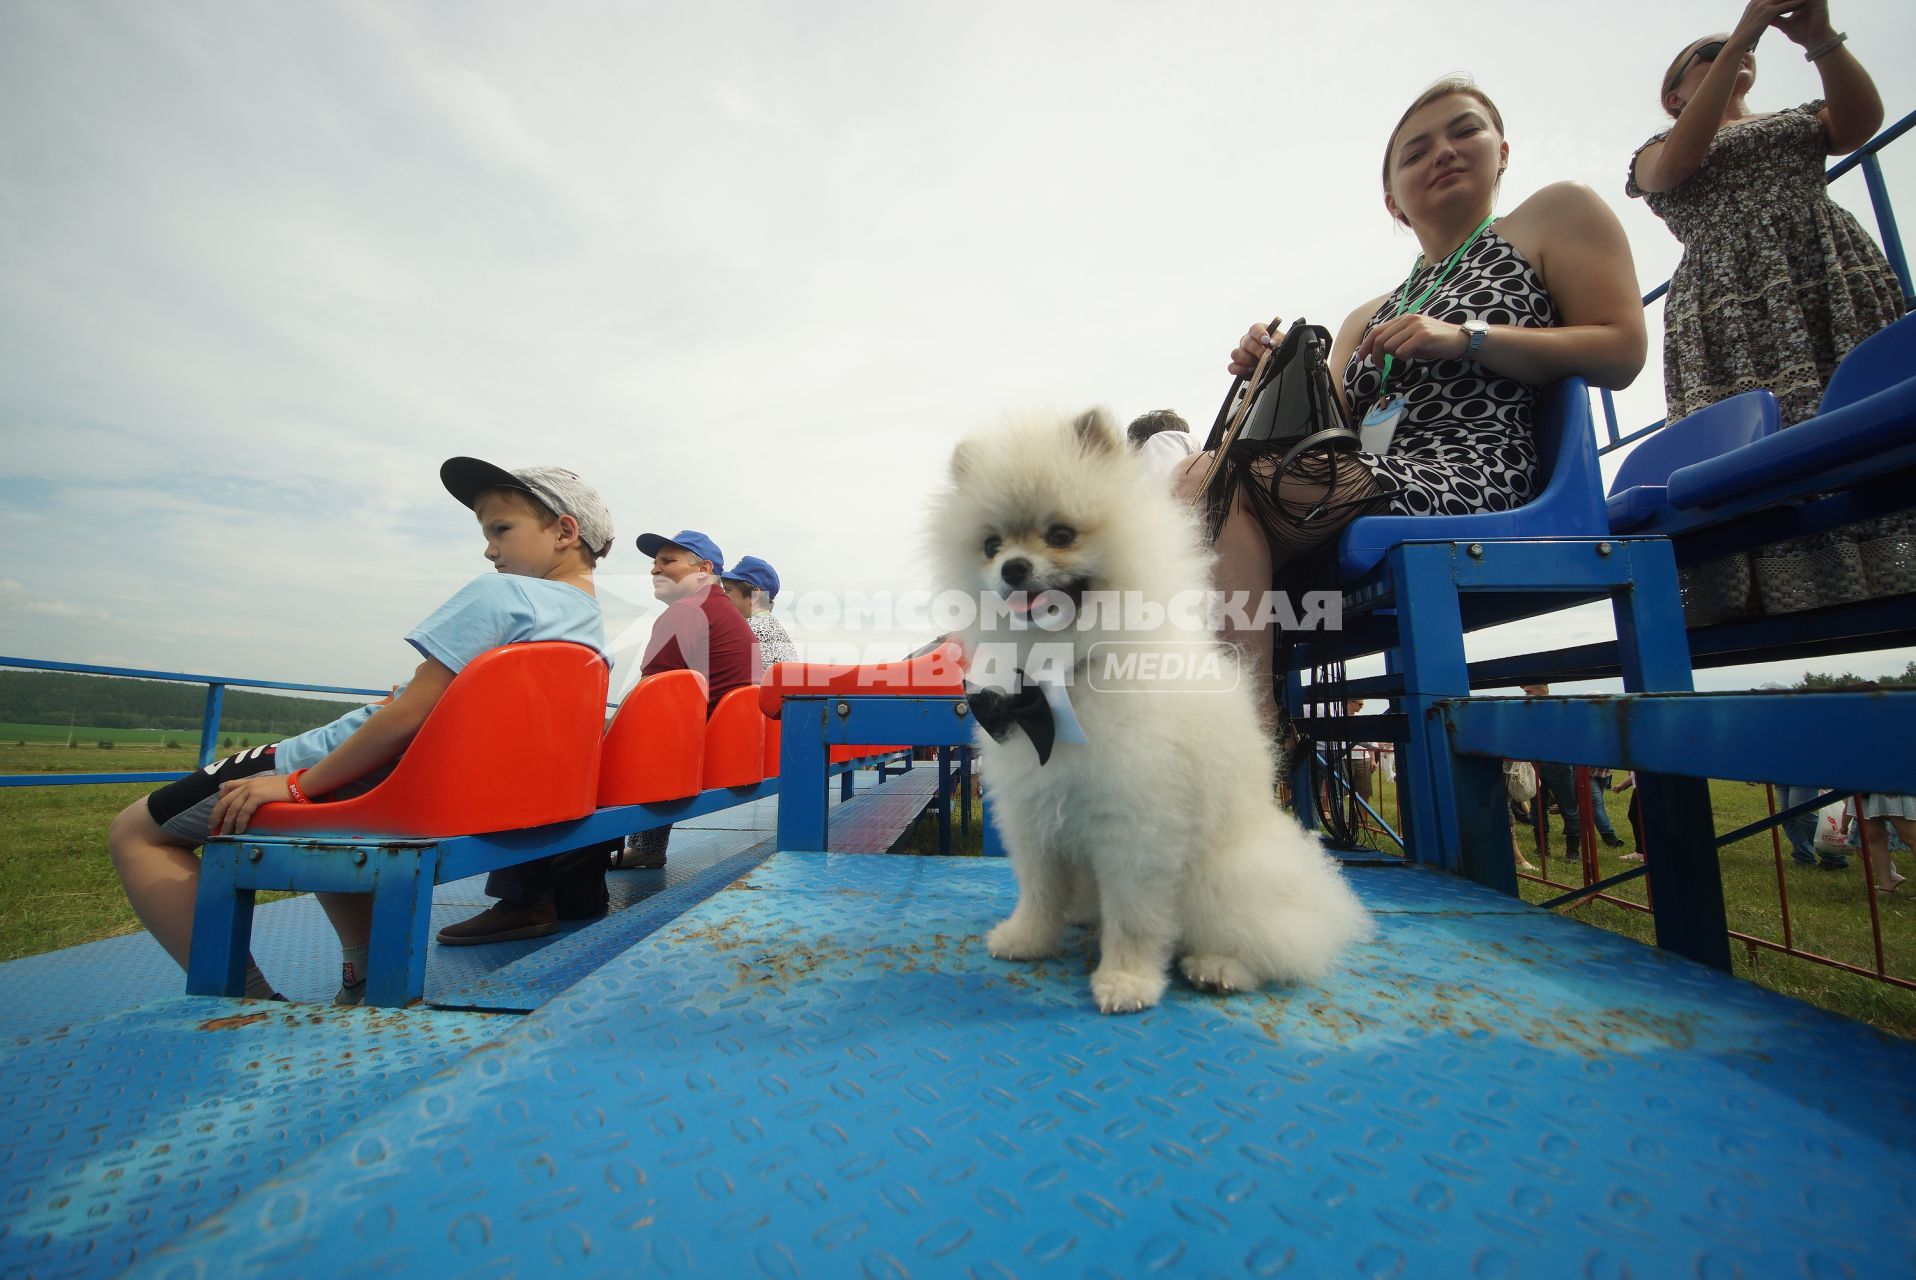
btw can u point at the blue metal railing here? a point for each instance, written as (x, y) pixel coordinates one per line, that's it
(1864, 158)
(216, 687)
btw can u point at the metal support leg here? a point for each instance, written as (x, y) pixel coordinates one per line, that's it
(845, 785)
(210, 724)
(993, 840)
(1297, 770)
(222, 926)
(802, 815)
(402, 926)
(1686, 881)
(964, 792)
(1430, 646)
(944, 800)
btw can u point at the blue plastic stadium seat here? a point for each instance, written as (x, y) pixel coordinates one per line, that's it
(1879, 362)
(1570, 506)
(1639, 488)
(1855, 433)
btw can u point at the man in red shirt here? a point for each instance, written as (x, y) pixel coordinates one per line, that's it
(701, 630)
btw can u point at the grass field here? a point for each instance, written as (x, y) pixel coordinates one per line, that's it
(87, 738)
(57, 887)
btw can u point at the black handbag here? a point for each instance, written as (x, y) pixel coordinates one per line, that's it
(1287, 408)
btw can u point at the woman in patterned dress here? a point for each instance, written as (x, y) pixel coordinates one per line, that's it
(1777, 281)
(1493, 309)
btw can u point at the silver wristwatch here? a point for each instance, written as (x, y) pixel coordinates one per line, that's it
(1478, 331)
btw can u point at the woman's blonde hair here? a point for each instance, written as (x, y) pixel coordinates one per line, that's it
(1683, 56)
(1457, 83)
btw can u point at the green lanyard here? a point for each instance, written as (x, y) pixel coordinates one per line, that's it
(1403, 291)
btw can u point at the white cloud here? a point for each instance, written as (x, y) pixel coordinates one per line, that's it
(751, 268)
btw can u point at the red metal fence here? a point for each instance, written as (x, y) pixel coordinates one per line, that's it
(1587, 874)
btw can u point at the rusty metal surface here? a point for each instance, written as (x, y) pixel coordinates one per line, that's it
(298, 951)
(870, 822)
(819, 1072)
(119, 1132)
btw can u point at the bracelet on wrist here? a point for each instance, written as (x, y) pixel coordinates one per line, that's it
(292, 785)
(1828, 46)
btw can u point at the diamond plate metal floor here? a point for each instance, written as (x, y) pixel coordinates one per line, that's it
(119, 1132)
(818, 1072)
(296, 948)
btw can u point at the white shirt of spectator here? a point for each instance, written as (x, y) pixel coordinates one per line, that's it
(1165, 450)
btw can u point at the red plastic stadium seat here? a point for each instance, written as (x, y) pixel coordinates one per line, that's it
(655, 749)
(774, 740)
(513, 742)
(735, 741)
(939, 673)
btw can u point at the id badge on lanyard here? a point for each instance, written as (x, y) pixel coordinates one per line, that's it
(1379, 427)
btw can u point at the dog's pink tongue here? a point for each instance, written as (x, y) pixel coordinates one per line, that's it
(1021, 602)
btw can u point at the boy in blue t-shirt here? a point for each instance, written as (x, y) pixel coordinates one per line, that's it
(545, 530)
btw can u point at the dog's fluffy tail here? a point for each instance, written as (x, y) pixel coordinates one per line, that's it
(1276, 903)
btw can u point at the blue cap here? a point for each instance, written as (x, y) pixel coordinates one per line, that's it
(691, 539)
(755, 571)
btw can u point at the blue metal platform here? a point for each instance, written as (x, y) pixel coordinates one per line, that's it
(818, 1071)
(118, 1132)
(297, 950)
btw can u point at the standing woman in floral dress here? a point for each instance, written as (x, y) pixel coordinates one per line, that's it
(1777, 282)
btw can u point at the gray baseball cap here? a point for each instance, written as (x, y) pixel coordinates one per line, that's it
(561, 490)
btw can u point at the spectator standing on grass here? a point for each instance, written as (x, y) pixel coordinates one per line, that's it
(1558, 783)
(1880, 814)
(1599, 784)
(1635, 815)
(1800, 831)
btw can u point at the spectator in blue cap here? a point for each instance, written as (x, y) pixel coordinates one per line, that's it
(751, 585)
(699, 629)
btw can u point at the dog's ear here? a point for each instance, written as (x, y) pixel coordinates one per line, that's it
(1095, 431)
(961, 461)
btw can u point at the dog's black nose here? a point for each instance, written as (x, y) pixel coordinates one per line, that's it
(1015, 571)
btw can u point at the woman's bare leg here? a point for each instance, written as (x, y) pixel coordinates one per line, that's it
(1251, 550)
(1874, 835)
(1243, 572)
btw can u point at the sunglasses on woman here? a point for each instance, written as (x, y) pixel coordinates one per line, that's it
(1706, 52)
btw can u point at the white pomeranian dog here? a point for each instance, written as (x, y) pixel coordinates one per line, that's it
(1158, 820)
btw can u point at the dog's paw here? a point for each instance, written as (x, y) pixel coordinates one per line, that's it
(1219, 974)
(1014, 940)
(1117, 991)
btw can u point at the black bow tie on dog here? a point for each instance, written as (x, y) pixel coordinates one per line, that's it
(998, 714)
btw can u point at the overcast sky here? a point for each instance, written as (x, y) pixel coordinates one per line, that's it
(749, 268)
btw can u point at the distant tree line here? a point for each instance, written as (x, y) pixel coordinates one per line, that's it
(1818, 680)
(109, 702)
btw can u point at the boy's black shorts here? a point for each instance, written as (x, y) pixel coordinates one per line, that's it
(184, 807)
